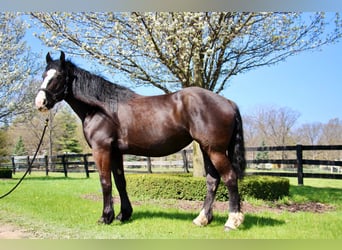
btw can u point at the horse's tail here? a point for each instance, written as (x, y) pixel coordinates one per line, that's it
(236, 150)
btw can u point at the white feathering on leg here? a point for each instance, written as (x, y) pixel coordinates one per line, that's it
(234, 221)
(201, 219)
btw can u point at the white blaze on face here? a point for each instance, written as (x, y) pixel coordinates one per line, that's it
(41, 97)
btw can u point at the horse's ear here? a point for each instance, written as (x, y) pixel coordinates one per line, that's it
(62, 58)
(48, 58)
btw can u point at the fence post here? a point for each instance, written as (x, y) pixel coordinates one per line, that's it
(28, 164)
(46, 165)
(300, 174)
(64, 165)
(13, 164)
(149, 165)
(186, 162)
(85, 159)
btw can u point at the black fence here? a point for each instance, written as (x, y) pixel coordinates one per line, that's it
(297, 162)
(286, 161)
(66, 163)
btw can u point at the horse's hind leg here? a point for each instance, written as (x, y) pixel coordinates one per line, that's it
(120, 182)
(229, 177)
(212, 181)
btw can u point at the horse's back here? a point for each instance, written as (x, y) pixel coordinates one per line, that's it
(204, 100)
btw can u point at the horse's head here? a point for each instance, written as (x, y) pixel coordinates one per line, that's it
(55, 83)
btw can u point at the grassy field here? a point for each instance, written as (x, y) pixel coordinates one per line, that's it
(55, 207)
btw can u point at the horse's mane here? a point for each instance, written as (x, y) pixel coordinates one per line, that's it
(96, 90)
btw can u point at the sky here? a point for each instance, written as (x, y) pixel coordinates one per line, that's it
(310, 83)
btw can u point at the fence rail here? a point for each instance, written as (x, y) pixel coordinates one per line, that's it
(84, 162)
(66, 163)
(298, 162)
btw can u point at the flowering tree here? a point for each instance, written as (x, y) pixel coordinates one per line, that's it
(15, 66)
(177, 50)
(181, 49)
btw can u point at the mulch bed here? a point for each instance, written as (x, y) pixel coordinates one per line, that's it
(313, 207)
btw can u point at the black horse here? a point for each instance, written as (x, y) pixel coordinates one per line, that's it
(117, 121)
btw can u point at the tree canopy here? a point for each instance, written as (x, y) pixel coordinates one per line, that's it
(16, 65)
(180, 49)
(66, 140)
(19, 148)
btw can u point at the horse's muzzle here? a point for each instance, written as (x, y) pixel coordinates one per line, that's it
(41, 101)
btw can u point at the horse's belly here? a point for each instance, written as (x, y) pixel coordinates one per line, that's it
(155, 148)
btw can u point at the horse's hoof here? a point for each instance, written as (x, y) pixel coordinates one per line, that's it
(234, 221)
(106, 220)
(101, 221)
(227, 229)
(201, 219)
(123, 217)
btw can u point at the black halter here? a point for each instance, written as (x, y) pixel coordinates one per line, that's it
(61, 95)
(56, 97)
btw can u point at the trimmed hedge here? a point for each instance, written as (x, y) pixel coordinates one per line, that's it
(5, 173)
(186, 187)
(265, 187)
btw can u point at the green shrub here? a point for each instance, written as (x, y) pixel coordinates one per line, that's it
(265, 187)
(5, 173)
(185, 187)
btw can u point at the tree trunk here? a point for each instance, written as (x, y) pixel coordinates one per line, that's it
(197, 161)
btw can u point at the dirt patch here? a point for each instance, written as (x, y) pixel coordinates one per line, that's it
(8, 231)
(246, 207)
(313, 207)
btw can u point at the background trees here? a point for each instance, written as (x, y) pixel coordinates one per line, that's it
(19, 148)
(309, 133)
(65, 139)
(16, 66)
(64, 134)
(20, 124)
(3, 147)
(278, 126)
(273, 125)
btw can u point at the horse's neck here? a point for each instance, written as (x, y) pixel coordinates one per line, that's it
(80, 108)
(87, 98)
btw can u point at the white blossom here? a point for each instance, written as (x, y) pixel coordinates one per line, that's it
(14, 65)
(204, 49)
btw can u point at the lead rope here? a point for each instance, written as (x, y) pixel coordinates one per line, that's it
(30, 163)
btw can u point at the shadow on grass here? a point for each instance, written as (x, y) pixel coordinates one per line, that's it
(252, 220)
(249, 222)
(260, 221)
(142, 215)
(317, 194)
(47, 178)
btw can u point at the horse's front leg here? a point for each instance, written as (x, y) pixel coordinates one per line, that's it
(102, 160)
(120, 183)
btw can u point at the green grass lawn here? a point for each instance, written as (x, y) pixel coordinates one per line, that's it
(55, 207)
